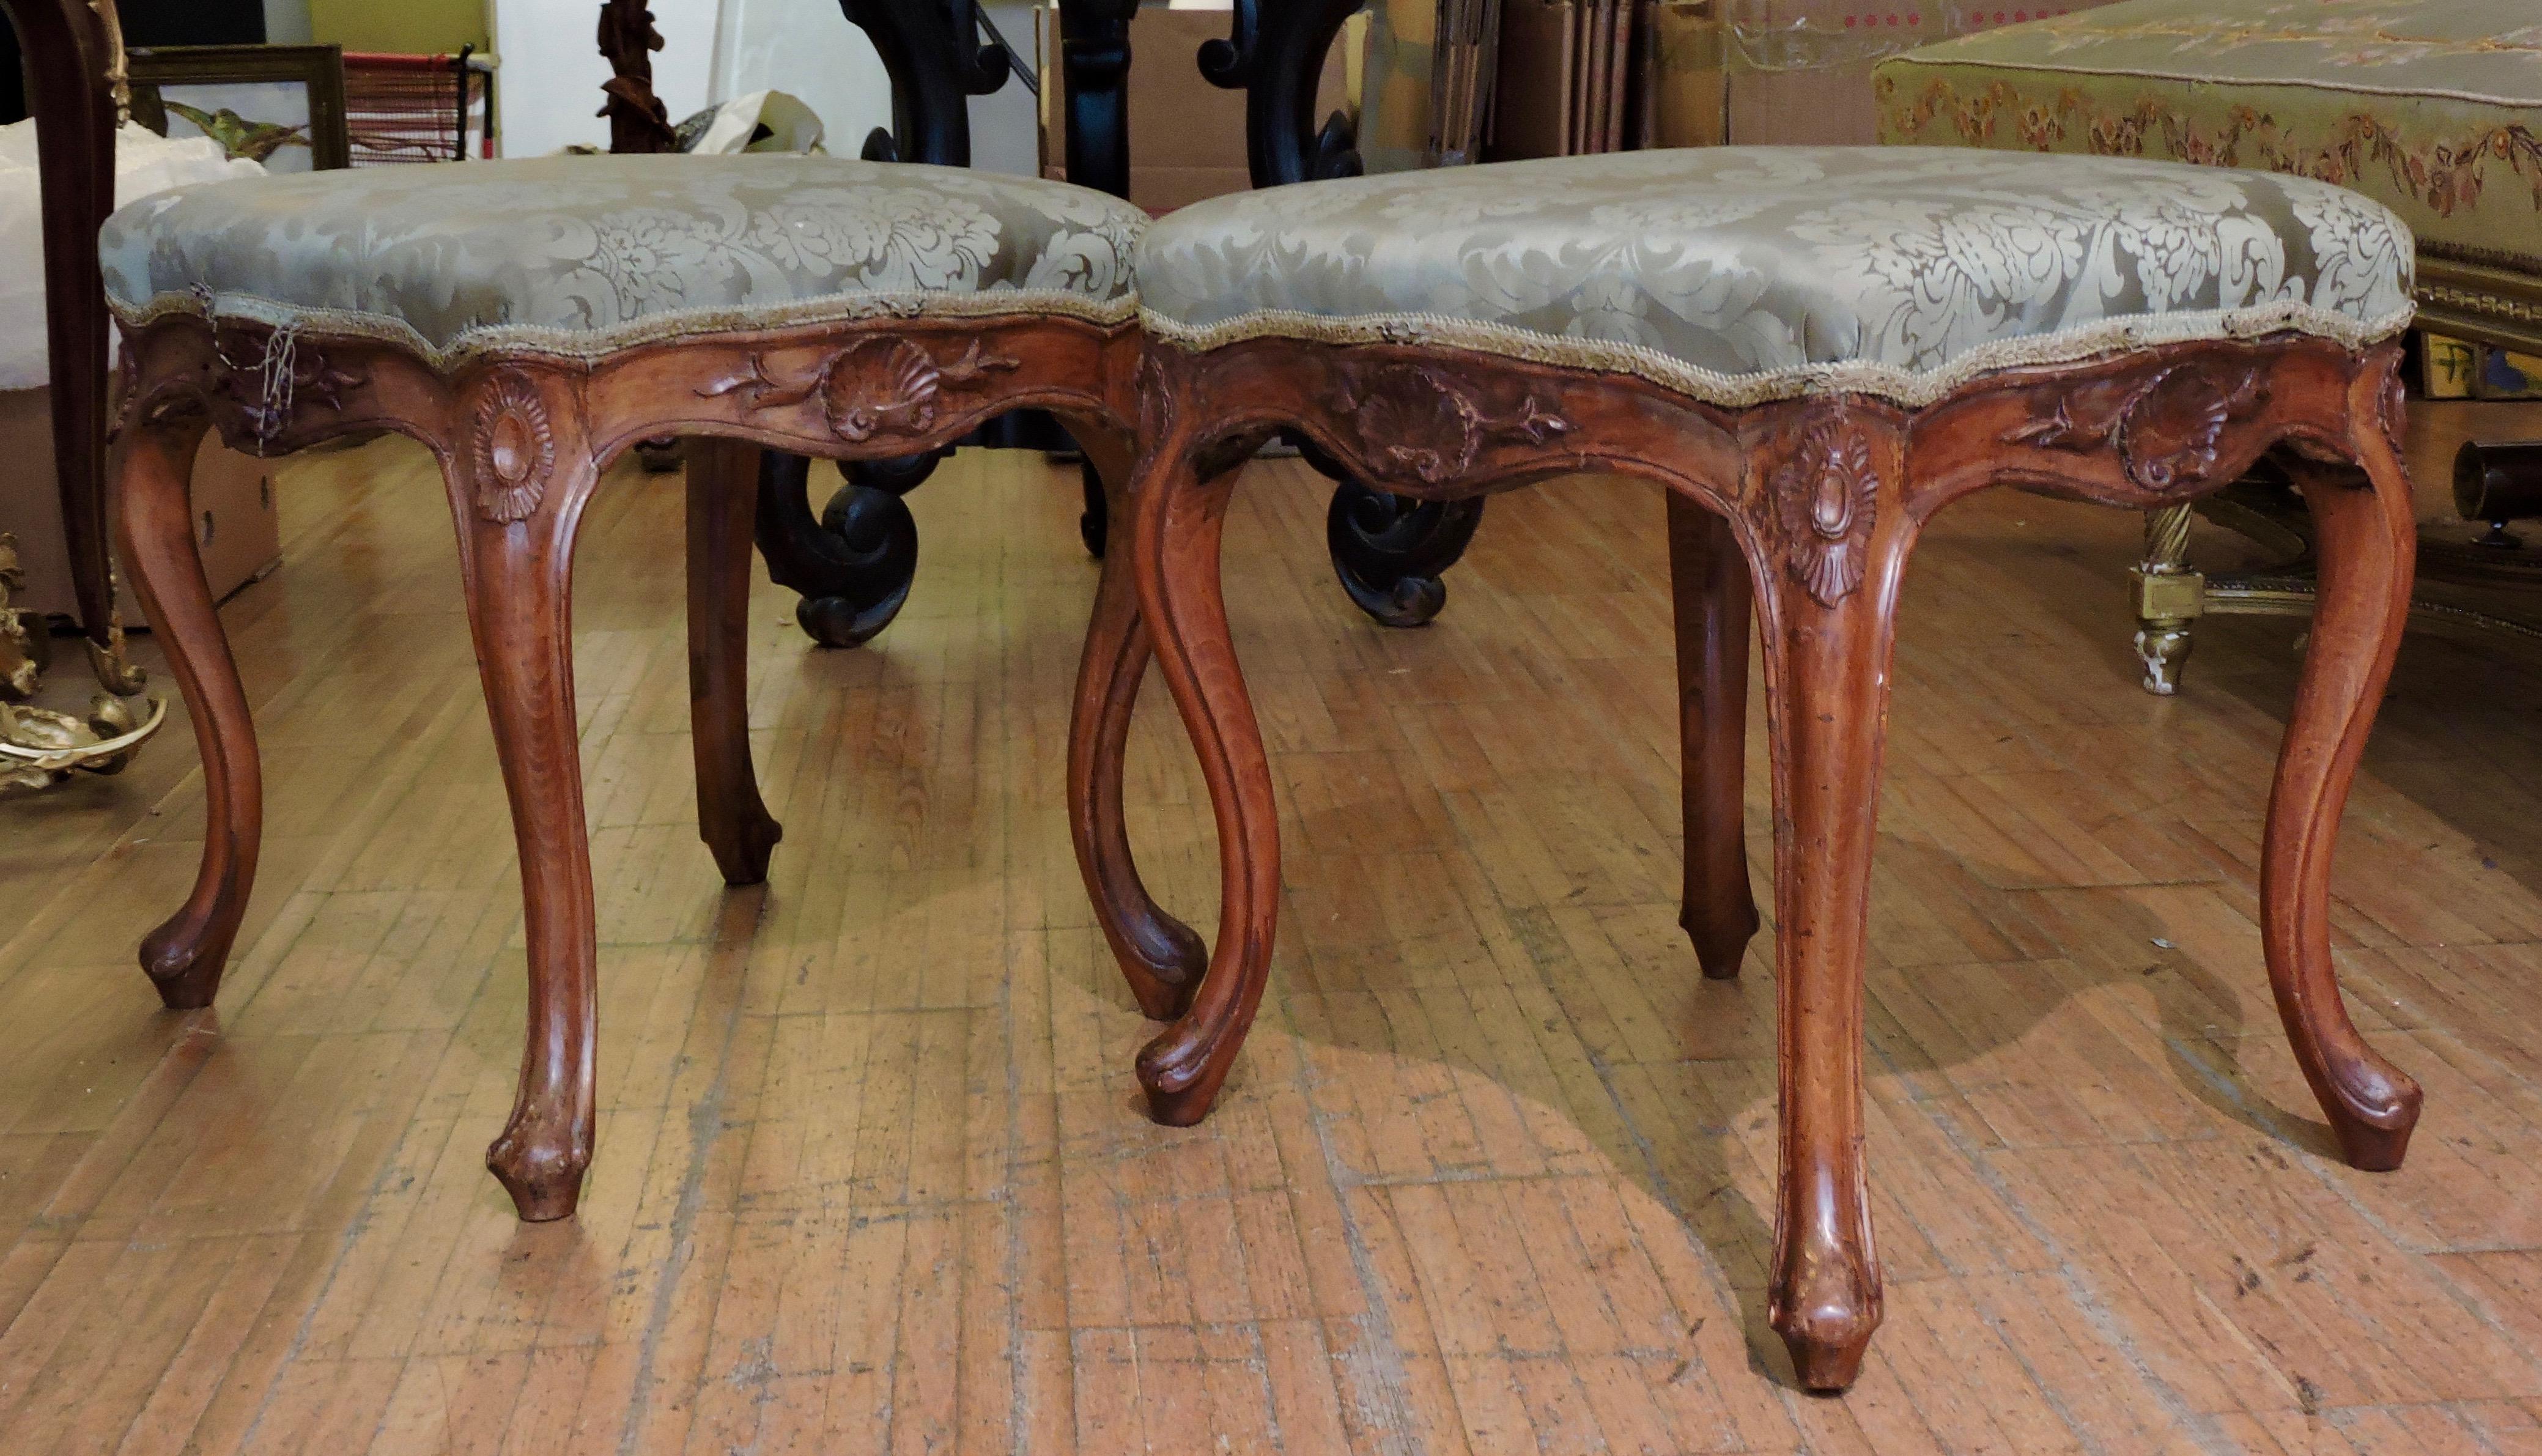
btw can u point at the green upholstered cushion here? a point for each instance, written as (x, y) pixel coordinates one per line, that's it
(2432, 106)
(583, 255)
(1745, 273)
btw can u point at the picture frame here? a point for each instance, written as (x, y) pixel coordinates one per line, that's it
(283, 106)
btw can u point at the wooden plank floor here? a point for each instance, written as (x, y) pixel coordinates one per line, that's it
(1494, 1174)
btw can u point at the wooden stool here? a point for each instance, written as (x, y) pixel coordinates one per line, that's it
(528, 321)
(1813, 351)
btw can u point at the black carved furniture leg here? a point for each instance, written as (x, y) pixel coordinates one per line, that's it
(1390, 551)
(852, 565)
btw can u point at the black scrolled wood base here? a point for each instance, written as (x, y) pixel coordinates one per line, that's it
(852, 565)
(1390, 550)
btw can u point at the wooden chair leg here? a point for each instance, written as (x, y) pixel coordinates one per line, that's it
(519, 577)
(1161, 958)
(154, 513)
(1709, 576)
(2366, 540)
(723, 503)
(1178, 519)
(1827, 655)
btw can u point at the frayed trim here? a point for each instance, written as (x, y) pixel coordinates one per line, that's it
(1912, 389)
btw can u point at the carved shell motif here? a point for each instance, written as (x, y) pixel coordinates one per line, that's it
(514, 447)
(870, 387)
(1417, 423)
(2169, 429)
(1826, 493)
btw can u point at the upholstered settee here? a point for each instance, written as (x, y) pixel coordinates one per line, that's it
(2432, 106)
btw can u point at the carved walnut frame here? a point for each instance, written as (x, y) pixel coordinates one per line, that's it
(1811, 505)
(522, 442)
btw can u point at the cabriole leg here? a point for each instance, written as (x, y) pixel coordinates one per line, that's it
(1178, 519)
(154, 475)
(2367, 539)
(1161, 958)
(516, 521)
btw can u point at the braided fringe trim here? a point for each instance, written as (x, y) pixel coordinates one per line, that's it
(1910, 387)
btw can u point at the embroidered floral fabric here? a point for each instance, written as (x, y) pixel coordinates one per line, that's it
(2432, 106)
(583, 255)
(1745, 273)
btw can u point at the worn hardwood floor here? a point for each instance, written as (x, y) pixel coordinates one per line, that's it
(1494, 1173)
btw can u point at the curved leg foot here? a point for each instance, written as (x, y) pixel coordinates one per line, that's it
(520, 597)
(2367, 542)
(154, 515)
(1827, 592)
(732, 820)
(1708, 577)
(853, 566)
(1160, 957)
(1178, 518)
(1390, 551)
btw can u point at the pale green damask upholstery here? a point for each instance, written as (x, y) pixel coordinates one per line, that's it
(579, 256)
(1740, 275)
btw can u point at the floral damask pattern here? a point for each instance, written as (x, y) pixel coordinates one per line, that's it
(2427, 105)
(586, 254)
(1745, 273)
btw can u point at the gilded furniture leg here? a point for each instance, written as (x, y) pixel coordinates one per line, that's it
(154, 473)
(1160, 957)
(2367, 540)
(1177, 517)
(517, 555)
(1828, 625)
(1708, 577)
(2170, 596)
(732, 820)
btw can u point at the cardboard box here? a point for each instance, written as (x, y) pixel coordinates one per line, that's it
(1186, 135)
(234, 522)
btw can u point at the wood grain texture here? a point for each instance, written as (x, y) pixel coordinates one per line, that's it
(1496, 1170)
(523, 442)
(1712, 597)
(1824, 496)
(732, 817)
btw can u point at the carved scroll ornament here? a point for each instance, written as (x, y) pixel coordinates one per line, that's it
(2168, 425)
(1421, 424)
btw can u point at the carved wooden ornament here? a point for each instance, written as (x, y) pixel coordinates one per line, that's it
(265, 377)
(514, 447)
(1420, 423)
(875, 385)
(1827, 493)
(2168, 425)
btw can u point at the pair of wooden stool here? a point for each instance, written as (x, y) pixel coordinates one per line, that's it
(1811, 349)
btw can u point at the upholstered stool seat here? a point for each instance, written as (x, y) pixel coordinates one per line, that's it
(529, 321)
(1737, 274)
(581, 256)
(1813, 352)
